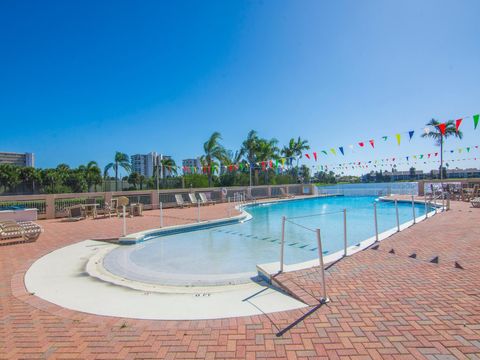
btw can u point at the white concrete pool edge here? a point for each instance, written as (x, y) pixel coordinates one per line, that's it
(268, 270)
(60, 278)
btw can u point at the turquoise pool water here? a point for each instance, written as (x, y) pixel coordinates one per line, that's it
(230, 253)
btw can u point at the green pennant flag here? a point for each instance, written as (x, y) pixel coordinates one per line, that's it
(468, 149)
(384, 138)
(323, 151)
(421, 156)
(475, 120)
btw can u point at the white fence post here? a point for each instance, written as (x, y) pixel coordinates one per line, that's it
(161, 214)
(322, 267)
(282, 244)
(198, 210)
(426, 207)
(413, 209)
(375, 219)
(345, 232)
(396, 213)
(124, 221)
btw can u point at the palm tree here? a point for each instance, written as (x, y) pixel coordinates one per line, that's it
(9, 176)
(436, 134)
(121, 161)
(213, 151)
(267, 150)
(249, 148)
(300, 147)
(28, 176)
(92, 173)
(167, 163)
(134, 179)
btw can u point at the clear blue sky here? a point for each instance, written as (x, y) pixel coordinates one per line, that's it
(82, 79)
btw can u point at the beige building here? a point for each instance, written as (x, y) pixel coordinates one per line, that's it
(19, 159)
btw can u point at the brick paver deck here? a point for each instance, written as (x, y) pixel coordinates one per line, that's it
(383, 304)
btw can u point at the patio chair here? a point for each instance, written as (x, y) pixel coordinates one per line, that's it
(90, 208)
(75, 213)
(475, 202)
(28, 230)
(111, 208)
(193, 199)
(283, 194)
(179, 201)
(205, 200)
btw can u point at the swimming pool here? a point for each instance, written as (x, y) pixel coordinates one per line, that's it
(230, 253)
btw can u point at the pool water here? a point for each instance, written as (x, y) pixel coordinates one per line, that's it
(231, 252)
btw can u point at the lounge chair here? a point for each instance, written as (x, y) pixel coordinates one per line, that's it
(283, 194)
(179, 200)
(475, 202)
(111, 208)
(193, 199)
(204, 200)
(76, 213)
(28, 230)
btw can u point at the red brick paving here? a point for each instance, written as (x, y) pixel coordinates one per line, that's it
(382, 305)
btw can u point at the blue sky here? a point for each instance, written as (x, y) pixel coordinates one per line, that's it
(82, 79)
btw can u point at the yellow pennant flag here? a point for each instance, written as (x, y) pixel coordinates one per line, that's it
(398, 136)
(333, 151)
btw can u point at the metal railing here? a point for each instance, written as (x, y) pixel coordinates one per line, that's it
(54, 205)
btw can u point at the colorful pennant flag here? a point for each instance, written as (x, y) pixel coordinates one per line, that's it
(442, 127)
(315, 155)
(341, 150)
(333, 151)
(410, 133)
(307, 156)
(325, 152)
(475, 120)
(457, 124)
(372, 143)
(361, 144)
(398, 136)
(384, 138)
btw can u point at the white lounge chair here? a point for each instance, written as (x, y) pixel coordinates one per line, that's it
(204, 199)
(180, 202)
(193, 199)
(28, 230)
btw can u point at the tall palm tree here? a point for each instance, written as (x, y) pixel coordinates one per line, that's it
(249, 148)
(213, 151)
(9, 176)
(438, 137)
(267, 150)
(300, 147)
(121, 160)
(166, 163)
(92, 173)
(29, 176)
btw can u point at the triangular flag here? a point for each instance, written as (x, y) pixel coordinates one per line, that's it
(315, 155)
(307, 156)
(475, 120)
(341, 150)
(457, 124)
(325, 152)
(398, 136)
(333, 151)
(384, 138)
(442, 127)
(372, 143)
(468, 149)
(410, 133)
(361, 144)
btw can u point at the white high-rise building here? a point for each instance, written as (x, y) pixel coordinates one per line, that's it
(144, 164)
(19, 159)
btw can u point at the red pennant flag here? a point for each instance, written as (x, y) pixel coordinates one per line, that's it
(442, 128)
(271, 163)
(307, 156)
(315, 155)
(361, 144)
(436, 154)
(457, 124)
(429, 155)
(230, 168)
(372, 143)
(263, 165)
